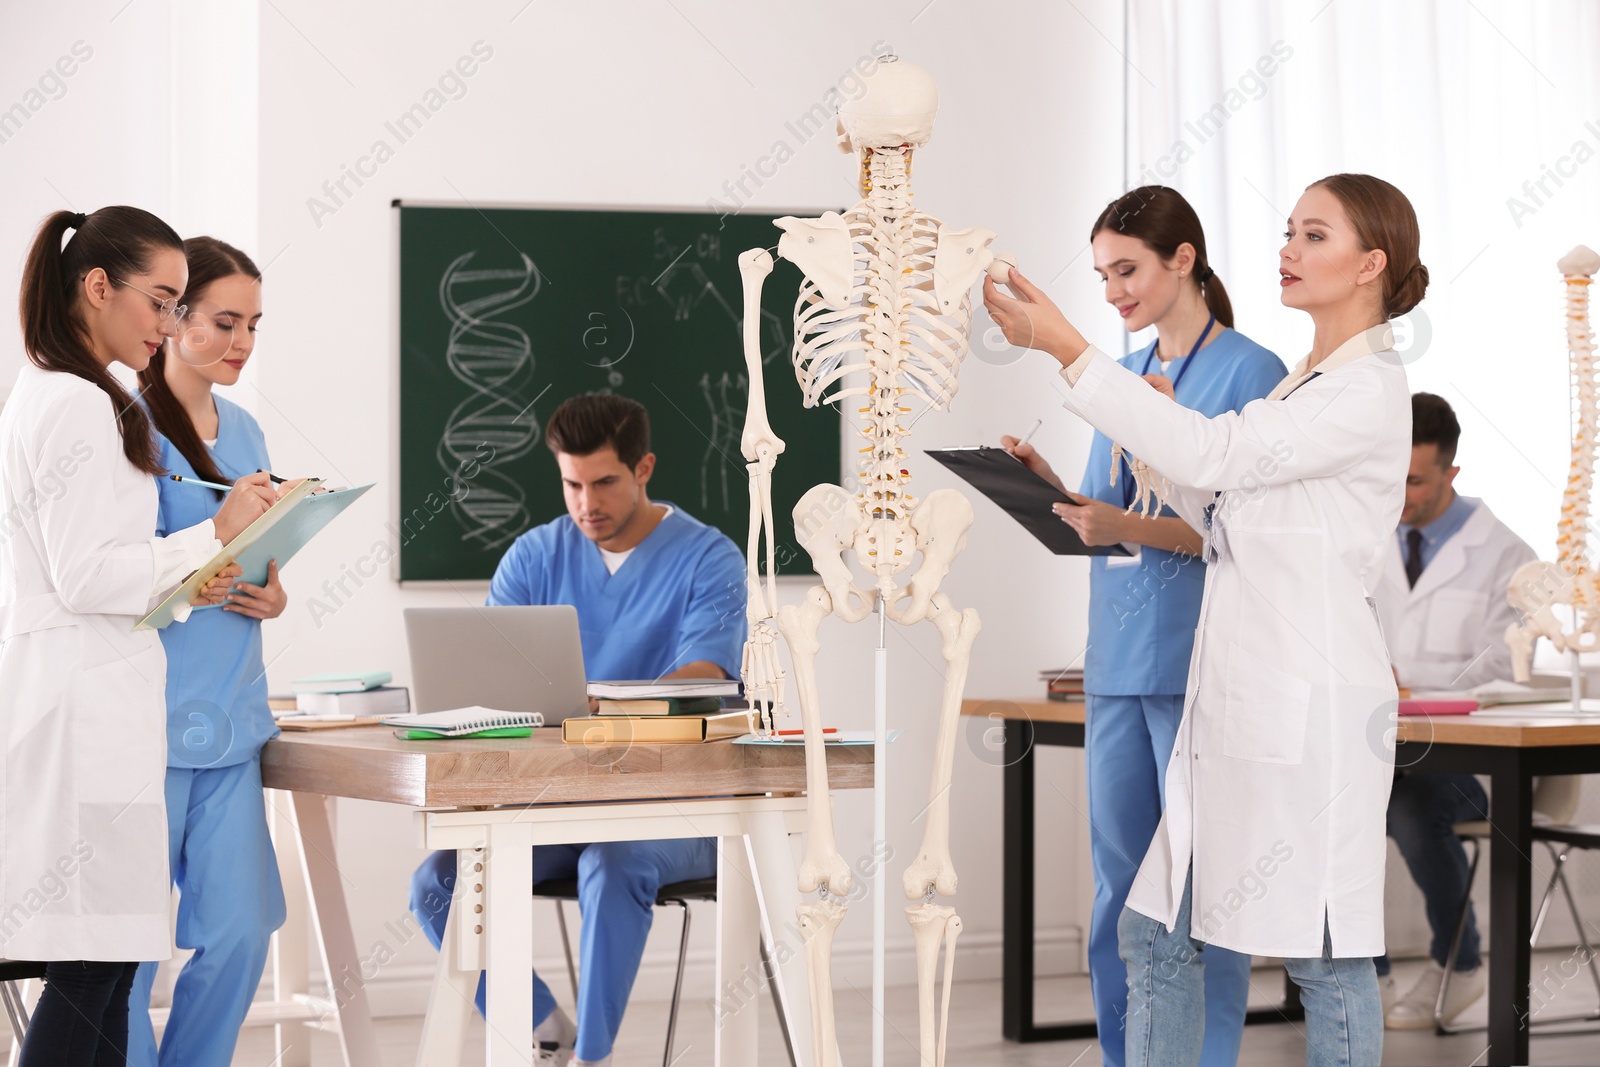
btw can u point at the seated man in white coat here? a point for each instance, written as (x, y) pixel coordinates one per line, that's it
(1444, 613)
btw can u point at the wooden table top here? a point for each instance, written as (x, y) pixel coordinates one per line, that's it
(370, 763)
(1524, 726)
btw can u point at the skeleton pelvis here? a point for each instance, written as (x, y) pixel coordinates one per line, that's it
(886, 546)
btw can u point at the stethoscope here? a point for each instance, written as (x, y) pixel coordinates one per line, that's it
(1127, 486)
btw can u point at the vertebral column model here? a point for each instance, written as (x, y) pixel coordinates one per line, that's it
(881, 325)
(1537, 586)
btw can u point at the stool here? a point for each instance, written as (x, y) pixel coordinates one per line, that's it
(12, 972)
(677, 894)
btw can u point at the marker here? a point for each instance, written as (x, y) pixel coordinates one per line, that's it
(200, 482)
(793, 733)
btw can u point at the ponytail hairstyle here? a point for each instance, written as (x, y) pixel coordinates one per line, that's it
(209, 261)
(1383, 218)
(121, 241)
(1162, 219)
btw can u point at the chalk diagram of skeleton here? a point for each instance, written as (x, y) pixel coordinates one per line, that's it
(881, 325)
(495, 360)
(1536, 587)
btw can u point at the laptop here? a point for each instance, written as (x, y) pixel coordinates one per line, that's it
(505, 658)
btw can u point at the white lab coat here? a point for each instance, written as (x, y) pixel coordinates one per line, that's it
(1280, 775)
(1450, 631)
(83, 831)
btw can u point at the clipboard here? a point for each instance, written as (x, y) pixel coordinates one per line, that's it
(285, 528)
(1022, 494)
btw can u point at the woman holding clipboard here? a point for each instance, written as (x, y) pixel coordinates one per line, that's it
(1150, 253)
(1273, 841)
(217, 716)
(82, 825)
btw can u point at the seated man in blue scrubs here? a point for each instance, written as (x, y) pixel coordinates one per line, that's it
(659, 594)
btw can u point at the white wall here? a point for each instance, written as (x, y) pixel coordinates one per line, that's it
(101, 134)
(624, 104)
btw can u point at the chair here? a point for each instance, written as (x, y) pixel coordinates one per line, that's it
(12, 972)
(1555, 802)
(677, 894)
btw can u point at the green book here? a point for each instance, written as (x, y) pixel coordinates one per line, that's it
(661, 706)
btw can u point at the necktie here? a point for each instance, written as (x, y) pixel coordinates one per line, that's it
(1413, 557)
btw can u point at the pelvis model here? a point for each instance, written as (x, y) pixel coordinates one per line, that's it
(881, 325)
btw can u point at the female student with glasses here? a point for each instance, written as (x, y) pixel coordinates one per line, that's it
(83, 867)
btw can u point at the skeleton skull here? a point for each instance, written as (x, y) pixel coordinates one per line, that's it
(897, 108)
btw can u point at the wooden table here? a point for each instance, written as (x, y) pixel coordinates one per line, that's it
(1511, 746)
(494, 800)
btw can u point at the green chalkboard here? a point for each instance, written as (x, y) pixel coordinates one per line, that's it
(506, 312)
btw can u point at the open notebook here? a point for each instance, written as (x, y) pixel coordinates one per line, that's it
(459, 722)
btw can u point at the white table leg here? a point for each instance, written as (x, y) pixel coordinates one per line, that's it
(340, 961)
(778, 896)
(507, 880)
(455, 976)
(739, 982)
(291, 963)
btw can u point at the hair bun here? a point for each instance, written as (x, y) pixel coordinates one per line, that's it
(1409, 291)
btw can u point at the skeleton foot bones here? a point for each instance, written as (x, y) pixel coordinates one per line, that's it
(881, 324)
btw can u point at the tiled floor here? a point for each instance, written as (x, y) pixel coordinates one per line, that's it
(975, 1033)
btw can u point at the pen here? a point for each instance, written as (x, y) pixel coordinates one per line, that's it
(198, 481)
(792, 733)
(1029, 435)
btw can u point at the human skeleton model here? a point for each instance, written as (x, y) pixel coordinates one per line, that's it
(883, 316)
(1571, 580)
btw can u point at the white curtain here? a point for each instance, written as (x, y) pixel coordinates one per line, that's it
(1486, 113)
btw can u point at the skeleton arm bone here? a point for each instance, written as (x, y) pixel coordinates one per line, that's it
(763, 678)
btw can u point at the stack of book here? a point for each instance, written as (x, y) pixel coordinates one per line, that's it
(1063, 684)
(356, 694)
(657, 712)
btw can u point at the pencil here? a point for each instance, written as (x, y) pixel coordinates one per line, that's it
(201, 482)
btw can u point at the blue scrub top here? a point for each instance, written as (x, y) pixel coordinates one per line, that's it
(679, 597)
(217, 712)
(1142, 616)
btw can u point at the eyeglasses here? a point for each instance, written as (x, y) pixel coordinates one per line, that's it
(169, 308)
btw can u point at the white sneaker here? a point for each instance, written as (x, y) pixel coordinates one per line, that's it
(553, 1040)
(1414, 1011)
(1388, 992)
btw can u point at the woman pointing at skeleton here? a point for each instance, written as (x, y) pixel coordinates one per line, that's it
(1273, 838)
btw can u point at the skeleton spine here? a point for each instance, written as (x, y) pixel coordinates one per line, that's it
(886, 182)
(1572, 532)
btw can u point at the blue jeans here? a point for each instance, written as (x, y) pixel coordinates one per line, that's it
(1127, 745)
(617, 885)
(1166, 997)
(1422, 809)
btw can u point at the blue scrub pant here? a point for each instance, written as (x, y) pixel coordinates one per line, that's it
(230, 901)
(617, 885)
(1127, 744)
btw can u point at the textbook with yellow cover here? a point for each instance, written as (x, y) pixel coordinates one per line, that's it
(652, 729)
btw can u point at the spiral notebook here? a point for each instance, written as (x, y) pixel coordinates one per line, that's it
(458, 722)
